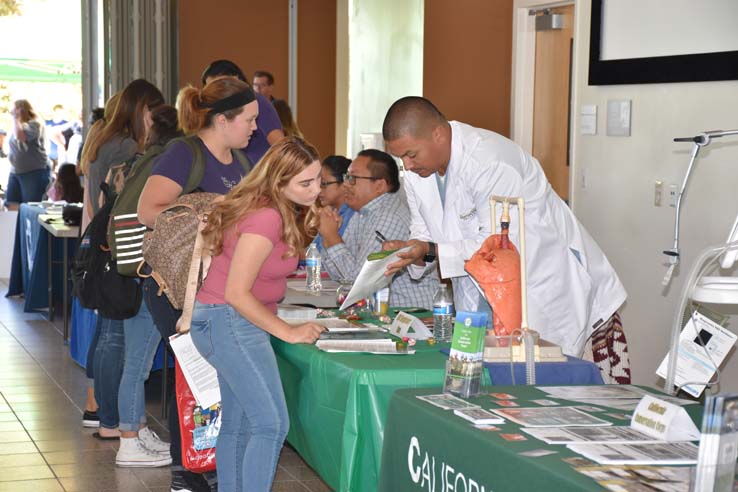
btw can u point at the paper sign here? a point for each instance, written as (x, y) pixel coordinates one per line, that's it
(407, 325)
(200, 375)
(371, 277)
(663, 420)
(695, 362)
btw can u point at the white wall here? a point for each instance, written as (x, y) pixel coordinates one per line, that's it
(7, 240)
(385, 61)
(616, 205)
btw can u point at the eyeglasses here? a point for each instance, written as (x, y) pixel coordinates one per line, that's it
(351, 179)
(325, 184)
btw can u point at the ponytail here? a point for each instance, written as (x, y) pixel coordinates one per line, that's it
(197, 107)
(193, 117)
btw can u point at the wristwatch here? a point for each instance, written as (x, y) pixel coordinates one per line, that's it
(431, 255)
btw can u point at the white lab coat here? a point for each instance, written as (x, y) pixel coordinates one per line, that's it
(571, 285)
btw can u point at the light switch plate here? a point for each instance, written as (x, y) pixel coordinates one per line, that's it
(618, 118)
(588, 119)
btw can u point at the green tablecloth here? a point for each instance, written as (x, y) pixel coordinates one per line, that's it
(456, 450)
(338, 403)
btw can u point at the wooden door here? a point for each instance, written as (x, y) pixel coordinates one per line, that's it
(551, 104)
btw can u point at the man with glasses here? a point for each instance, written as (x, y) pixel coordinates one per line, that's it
(372, 183)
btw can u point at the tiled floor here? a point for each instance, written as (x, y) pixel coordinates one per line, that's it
(43, 447)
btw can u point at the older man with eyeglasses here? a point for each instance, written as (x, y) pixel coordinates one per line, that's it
(372, 183)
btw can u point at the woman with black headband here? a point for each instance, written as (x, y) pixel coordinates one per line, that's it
(223, 117)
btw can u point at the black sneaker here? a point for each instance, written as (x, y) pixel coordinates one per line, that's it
(186, 481)
(90, 419)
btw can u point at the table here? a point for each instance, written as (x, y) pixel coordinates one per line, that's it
(29, 267)
(54, 225)
(297, 294)
(573, 371)
(415, 429)
(337, 405)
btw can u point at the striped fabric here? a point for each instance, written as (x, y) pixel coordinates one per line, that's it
(127, 233)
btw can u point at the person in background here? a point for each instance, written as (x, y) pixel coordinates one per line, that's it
(3, 134)
(139, 445)
(121, 138)
(57, 142)
(285, 117)
(30, 172)
(268, 128)
(264, 84)
(66, 186)
(97, 123)
(333, 192)
(372, 184)
(255, 235)
(451, 171)
(223, 115)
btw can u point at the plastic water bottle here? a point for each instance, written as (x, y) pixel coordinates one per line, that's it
(312, 264)
(443, 314)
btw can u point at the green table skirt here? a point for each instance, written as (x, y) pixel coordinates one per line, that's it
(430, 449)
(338, 403)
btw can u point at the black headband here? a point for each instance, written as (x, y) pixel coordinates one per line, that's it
(232, 102)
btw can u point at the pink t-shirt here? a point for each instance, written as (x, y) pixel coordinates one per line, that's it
(271, 282)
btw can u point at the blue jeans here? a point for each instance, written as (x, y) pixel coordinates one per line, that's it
(108, 368)
(254, 419)
(28, 187)
(141, 341)
(165, 317)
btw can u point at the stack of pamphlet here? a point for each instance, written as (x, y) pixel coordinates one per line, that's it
(465, 364)
(373, 342)
(660, 432)
(716, 462)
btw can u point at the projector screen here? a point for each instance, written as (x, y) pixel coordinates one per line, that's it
(648, 28)
(658, 41)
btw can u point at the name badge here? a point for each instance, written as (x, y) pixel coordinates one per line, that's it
(468, 215)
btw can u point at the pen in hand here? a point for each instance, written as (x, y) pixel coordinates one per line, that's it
(380, 237)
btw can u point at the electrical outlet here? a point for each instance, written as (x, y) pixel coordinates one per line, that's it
(658, 193)
(673, 194)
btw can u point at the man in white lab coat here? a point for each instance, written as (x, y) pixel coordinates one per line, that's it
(454, 168)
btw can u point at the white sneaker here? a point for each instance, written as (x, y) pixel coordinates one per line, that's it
(133, 453)
(149, 439)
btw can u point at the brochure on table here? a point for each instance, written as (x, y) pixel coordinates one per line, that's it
(588, 394)
(550, 417)
(371, 277)
(696, 363)
(665, 453)
(654, 421)
(407, 325)
(639, 477)
(200, 375)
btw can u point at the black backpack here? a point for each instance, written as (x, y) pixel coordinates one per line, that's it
(97, 283)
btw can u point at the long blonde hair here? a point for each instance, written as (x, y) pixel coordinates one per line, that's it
(127, 119)
(93, 135)
(263, 187)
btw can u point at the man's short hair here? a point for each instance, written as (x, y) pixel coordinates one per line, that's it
(412, 115)
(219, 68)
(382, 166)
(262, 73)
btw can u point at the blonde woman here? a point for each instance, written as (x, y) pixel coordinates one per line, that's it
(255, 235)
